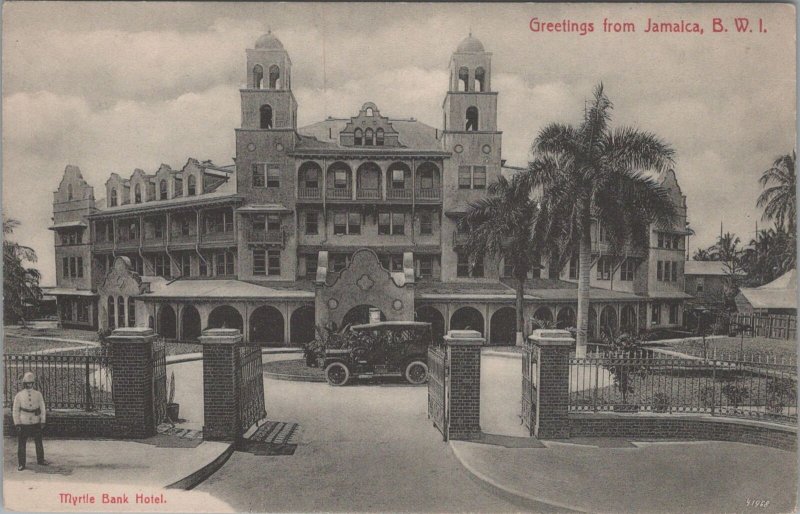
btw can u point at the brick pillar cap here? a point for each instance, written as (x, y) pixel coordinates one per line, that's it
(128, 333)
(221, 335)
(544, 337)
(464, 338)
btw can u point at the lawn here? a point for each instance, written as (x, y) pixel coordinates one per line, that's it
(295, 368)
(17, 345)
(755, 346)
(60, 333)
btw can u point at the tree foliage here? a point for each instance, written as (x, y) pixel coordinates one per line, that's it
(779, 197)
(21, 292)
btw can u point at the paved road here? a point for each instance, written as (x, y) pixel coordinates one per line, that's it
(363, 448)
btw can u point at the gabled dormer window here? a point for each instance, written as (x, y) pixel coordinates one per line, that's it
(379, 137)
(358, 137)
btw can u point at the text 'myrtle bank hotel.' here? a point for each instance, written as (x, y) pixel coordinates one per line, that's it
(319, 223)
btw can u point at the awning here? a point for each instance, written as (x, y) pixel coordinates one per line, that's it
(68, 224)
(60, 291)
(216, 290)
(668, 295)
(269, 207)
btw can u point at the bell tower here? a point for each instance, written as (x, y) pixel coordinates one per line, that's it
(267, 99)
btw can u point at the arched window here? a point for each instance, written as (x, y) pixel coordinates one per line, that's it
(463, 79)
(274, 77)
(192, 183)
(113, 199)
(137, 193)
(369, 137)
(370, 112)
(472, 118)
(258, 77)
(120, 311)
(110, 312)
(266, 116)
(379, 137)
(162, 190)
(480, 79)
(69, 192)
(131, 313)
(358, 137)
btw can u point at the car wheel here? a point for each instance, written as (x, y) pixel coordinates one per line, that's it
(416, 372)
(337, 374)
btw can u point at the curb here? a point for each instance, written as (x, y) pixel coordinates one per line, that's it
(294, 378)
(199, 476)
(529, 502)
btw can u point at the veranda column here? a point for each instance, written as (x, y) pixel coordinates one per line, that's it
(220, 391)
(552, 405)
(464, 350)
(132, 373)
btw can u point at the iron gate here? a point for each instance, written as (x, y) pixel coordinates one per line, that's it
(530, 382)
(159, 382)
(438, 367)
(250, 385)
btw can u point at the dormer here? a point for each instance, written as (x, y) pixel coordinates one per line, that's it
(117, 191)
(73, 187)
(369, 129)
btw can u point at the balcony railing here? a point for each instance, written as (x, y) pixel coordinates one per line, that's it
(604, 248)
(181, 238)
(428, 194)
(103, 245)
(154, 241)
(265, 236)
(128, 243)
(309, 192)
(398, 194)
(368, 194)
(218, 236)
(340, 193)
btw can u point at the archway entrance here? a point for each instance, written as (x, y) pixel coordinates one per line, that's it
(301, 325)
(432, 315)
(467, 318)
(167, 322)
(566, 318)
(225, 316)
(190, 324)
(266, 325)
(628, 319)
(608, 320)
(504, 327)
(542, 318)
(359, 315)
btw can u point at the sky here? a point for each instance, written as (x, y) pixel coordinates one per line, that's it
(111, 87)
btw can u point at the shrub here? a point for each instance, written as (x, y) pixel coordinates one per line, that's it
(781, 392)
(660, 402)
(735, 394)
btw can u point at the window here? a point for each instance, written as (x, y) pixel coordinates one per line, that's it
(676, 242)
(273, 177)
(131, 313)
(508, 268)
(675, 265)
(384, 223)
(113, 198)
(312, 178)
(205, 270)
(259, 175)
(219, 221)
(162, 190)
(151, 191)
(69, 192)
(398, 223)
(64, 239)
(224, 263)
(463, 79)
(700, 284)
(379, 137)
(604, 268)
(673, 314)
(120, 311)
(161, 265)
(259, 262)
(274, 77)
(273, 263)
(83, 311)
(660, 271)
(479, 177)
(396, 262)
(158, 228)
(369, 137)
(73, 272)
(186, 265)
(464, 269)
(573, 268)
(354, 223)
(266, 116)
(340, 179)
(137, 193)
(133, 231)
(425, 266)
(186, 226)
(65, 267)
(258, 76)
(426, 179)
(273, 223)
(480, 79)
(601, 233)
(655, 314)
(178, 185)
(398, 179)
(338, 261)
(80, 267)
(464, 177)
(358, 137)
(426, 223)
(110, 312)
(192, 185)
(627, 270)
(311, 265)
(472, 119)
(339, 223)
(312, 223)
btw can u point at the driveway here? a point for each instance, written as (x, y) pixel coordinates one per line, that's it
(364, 447)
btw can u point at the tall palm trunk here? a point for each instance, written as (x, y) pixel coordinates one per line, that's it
(584, 275)
(520, 311)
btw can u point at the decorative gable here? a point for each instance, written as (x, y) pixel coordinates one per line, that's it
(369, 129)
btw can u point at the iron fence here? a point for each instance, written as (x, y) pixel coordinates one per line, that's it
(437, 388)
(753, 387)
(160, 382)
(80, 382)
(250, 378)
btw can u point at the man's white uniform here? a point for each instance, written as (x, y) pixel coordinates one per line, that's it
(29, 415)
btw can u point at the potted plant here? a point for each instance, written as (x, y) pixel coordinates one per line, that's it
(173, 409)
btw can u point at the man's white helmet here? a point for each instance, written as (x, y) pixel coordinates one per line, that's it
(28, 378)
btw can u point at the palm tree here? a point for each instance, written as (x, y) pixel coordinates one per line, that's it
(592, 174)
(703, 254)
(769, 255)
(20, 284)
(780, 200)
(506, 224)
(727, 248)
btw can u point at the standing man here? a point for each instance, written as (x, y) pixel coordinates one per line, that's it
(29, 415)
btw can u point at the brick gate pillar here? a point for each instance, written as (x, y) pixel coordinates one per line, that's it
(552, 405)
(132, 375)
(464, 349)
(220, 388)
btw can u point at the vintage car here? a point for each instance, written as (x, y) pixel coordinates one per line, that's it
(387, 348)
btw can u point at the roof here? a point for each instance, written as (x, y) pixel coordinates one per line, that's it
(704, 268)
(781, 293)
(668, 295)
(63, 291)
(216, 196)
(231, 290)
(269, 207)
(269, 42)
(412, 134)
(470, 44)
(67, 224)
(536, 289)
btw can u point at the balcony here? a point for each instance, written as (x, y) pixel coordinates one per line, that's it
(266, 236)
(340, 193)
(182, 239)
(398, 194)
(309, 193)
(154, 241)
(132, 242)
(604, 248)
(368, 194)
(214, 237)
(103, 245)
(429, 194)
